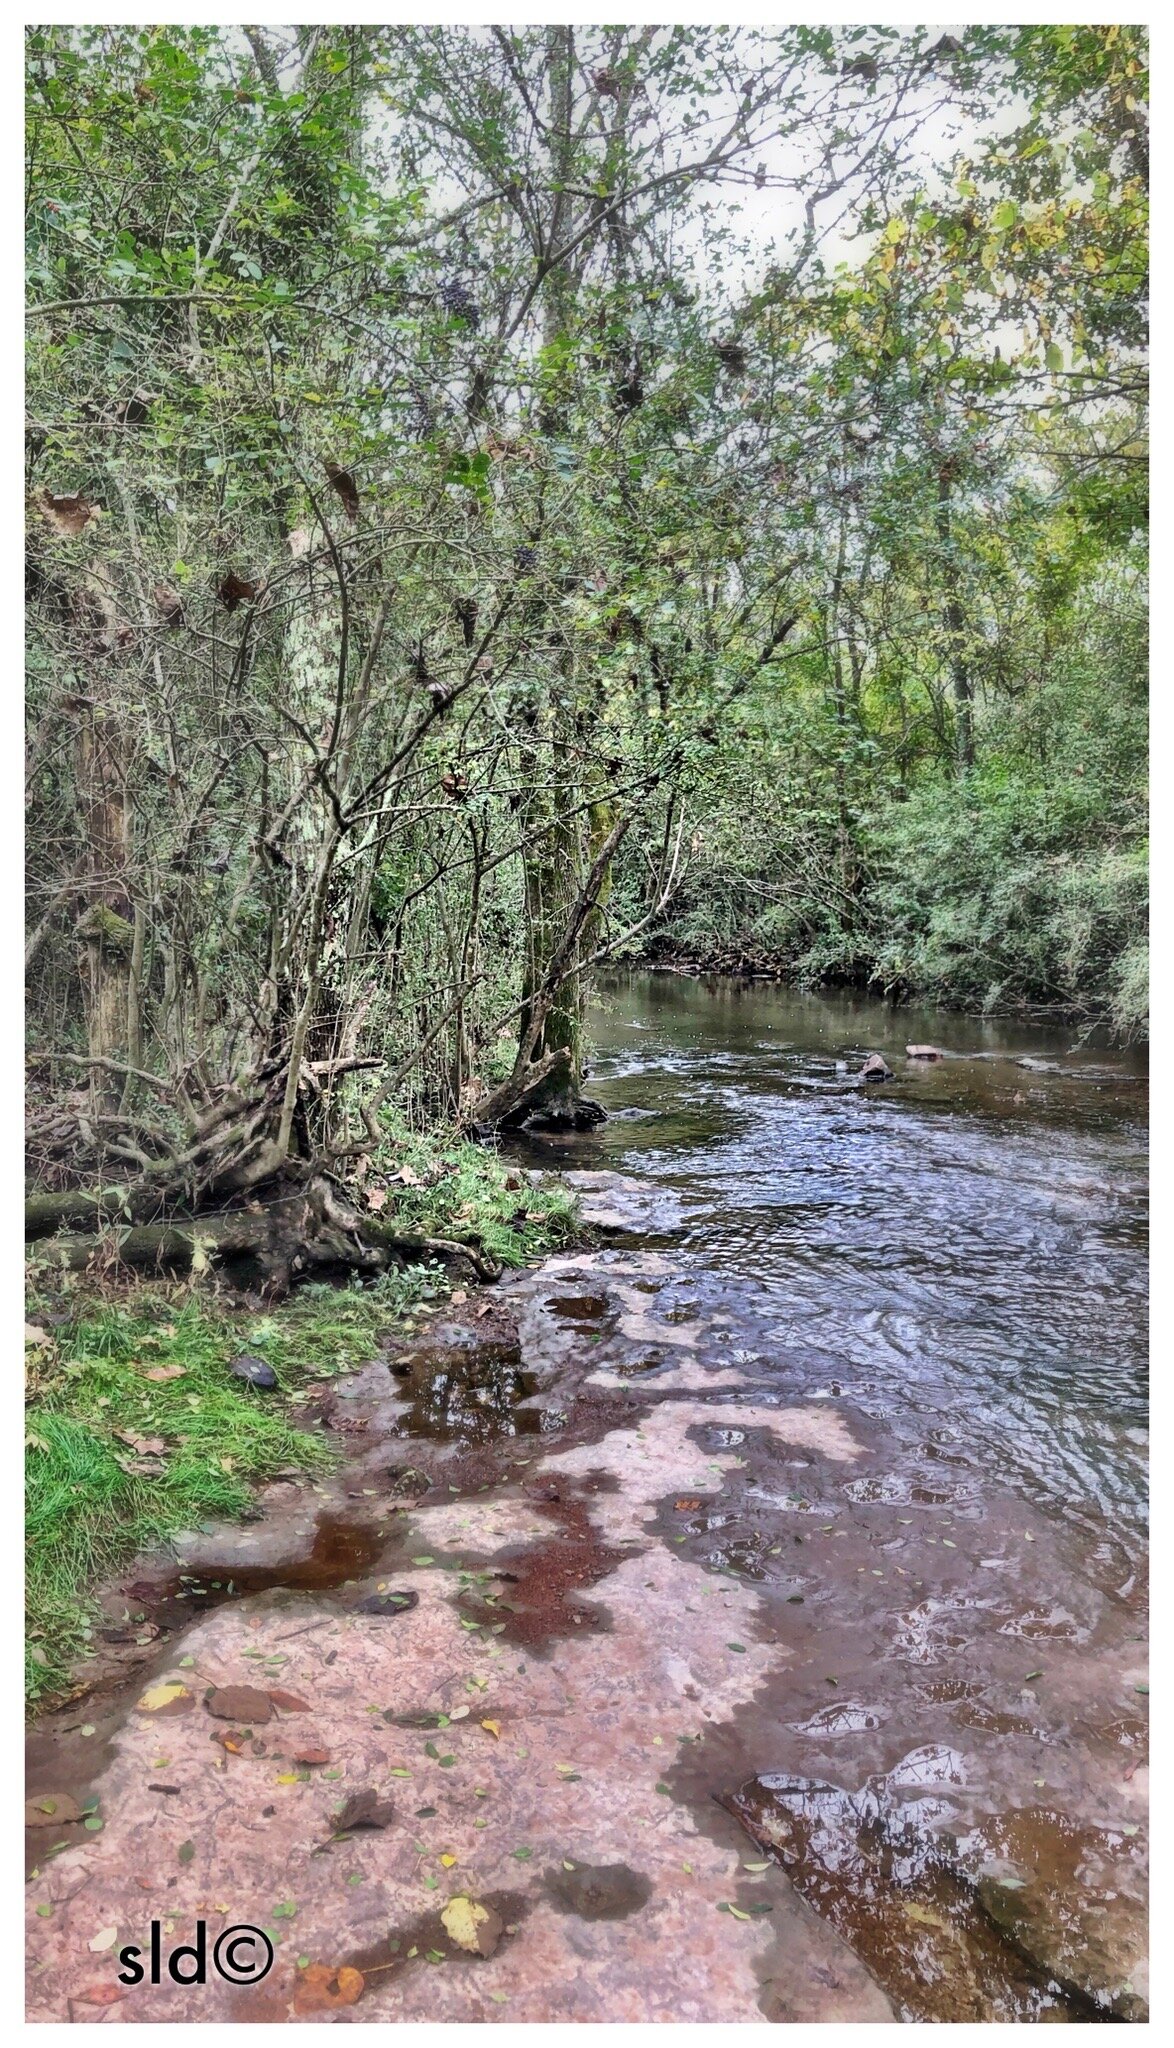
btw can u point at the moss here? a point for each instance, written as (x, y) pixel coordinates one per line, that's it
(106, 928)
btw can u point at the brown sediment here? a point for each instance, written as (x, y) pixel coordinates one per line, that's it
(538, 1607)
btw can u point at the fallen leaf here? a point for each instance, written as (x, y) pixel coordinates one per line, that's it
(311, 1756)
(100, 1994)
(493, 1728)
(319, 1987)
(104, 1939)
(364, 1810)
(377, 1199)
(33, 1334)
(475, 1928)
(166, 1372)
(245, 1703)
(51, 1810)
(172, 1696)
(289, 1702)
(148, 1446)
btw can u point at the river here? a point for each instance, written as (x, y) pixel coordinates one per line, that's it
(961, 1250)
(779, 1546)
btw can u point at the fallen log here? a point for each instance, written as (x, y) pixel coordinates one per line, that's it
(265, 1248)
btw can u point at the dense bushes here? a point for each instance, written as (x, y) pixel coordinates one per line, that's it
(1020, 884)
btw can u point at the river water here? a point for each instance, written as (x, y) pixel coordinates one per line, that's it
(787, 1533)
(961, 1249)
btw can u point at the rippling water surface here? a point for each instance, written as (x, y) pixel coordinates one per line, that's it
(960, 1250)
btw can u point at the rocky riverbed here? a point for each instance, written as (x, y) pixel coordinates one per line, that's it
(720, 1701)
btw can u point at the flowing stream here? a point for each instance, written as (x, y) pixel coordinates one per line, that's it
(789, 1531)
(962, 1248)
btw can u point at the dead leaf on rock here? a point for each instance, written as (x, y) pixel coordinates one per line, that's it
(319, 1987)
(99, 1994)
(493, 1728)
(289, 1702)
(473, 1927)
(686, 1506)
(311, 1756)
(245, 1703)
(364, 1810)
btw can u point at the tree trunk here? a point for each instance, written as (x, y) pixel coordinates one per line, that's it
(106, 929)
(955, 619)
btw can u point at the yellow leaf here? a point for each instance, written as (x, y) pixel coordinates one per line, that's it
(493, 1728)
(448, 1861)
(157, 1696)
(474, 1928)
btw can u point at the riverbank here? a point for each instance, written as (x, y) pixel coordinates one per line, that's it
(602, 1635)
(745, 959)
(142, 1419)
(743, 1617)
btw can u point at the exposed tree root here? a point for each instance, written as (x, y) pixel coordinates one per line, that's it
(301, 1232)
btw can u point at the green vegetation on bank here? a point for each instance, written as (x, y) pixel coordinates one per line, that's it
(1023, 886)
(135, 1428)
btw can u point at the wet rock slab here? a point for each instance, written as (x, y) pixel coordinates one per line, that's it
(692, 1582)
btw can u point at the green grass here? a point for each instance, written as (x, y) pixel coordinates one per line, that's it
(88, 1514)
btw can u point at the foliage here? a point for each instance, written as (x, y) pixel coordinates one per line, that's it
(458, 543)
